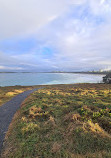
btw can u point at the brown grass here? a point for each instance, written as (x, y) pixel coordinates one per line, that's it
(69, 121)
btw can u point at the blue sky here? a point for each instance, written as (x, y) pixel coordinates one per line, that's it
(66, 35)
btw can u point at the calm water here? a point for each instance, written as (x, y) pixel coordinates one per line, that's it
(12, 79)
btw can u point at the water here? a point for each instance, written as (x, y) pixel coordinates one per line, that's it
(26, 79)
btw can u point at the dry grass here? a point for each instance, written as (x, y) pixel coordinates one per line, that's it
(65, 121)
(6, 93)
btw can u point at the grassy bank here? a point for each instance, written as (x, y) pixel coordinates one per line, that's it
(64, 121)
(6, 93)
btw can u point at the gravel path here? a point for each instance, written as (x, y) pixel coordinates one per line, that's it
(8, 110)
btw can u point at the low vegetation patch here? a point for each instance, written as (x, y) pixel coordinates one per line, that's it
(65, 121)
(6, 93)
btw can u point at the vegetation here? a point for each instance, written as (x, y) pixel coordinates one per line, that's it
(107, 78)
(65, 121)
(6, 93)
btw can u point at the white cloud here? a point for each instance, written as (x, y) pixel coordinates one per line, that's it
(19, 17)
(80, 38)
(10, 68)
(82, 42)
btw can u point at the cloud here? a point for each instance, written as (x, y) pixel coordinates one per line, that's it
(22, 17)
(59, 35)
(10, 68)
(82, 38)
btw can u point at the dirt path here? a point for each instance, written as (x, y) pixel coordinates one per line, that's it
(7, 112)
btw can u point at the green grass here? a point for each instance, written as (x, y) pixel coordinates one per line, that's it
(6, 93)
(64, 121)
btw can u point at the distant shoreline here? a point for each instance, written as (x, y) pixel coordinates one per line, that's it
(101, 73)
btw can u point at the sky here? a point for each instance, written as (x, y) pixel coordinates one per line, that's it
(58, 35)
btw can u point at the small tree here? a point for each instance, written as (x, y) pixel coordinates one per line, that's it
(107, 78)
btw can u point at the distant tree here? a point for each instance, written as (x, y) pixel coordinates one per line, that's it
(107, 78)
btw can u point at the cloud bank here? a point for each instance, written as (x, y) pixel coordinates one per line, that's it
(60, 35)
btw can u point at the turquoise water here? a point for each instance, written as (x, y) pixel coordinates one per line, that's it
(25, 79)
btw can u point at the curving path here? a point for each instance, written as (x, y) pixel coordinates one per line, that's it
(8, 110)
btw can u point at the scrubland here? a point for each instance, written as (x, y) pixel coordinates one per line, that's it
(62, 121)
